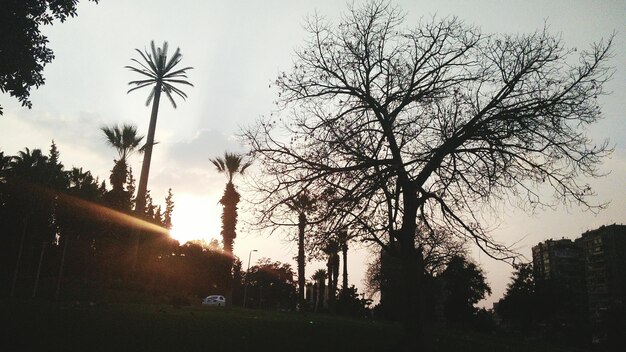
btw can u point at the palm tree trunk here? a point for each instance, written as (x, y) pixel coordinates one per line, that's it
(140, 203)
(301, 275)
(43, 248)
(147, 155)
(344, 252)
(58, 290)
(19, 257)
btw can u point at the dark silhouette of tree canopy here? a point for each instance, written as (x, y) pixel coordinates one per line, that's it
(271, 285)
(24, 50)
(465, 285)
(63, 240)
(159, 72)
(438, 121)
(519, 305)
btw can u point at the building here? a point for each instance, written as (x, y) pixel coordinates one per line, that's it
(582, 283)
(560, 288)
(559, 262)
(604, 256)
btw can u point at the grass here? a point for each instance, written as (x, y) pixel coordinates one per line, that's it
(40, 326)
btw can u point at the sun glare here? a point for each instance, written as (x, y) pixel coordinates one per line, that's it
(195, 218)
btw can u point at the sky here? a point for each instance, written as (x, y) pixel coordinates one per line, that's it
(236, 49)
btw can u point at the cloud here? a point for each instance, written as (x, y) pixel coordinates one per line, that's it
(185, 166)
(206, 144)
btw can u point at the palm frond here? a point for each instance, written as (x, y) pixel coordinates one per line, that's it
(169, 96)
(177, 81)
(179, 72)
(156, 66)
(138, 87)
(152, 92)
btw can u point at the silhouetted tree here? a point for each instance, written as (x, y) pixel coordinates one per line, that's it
(23, 50)
(519, 305)
(272, 285)
(126, 141)
(331, 250)
(131, 187)
(438, 121)
(169, 209)
(464, 285)
(158, 72)
(350, 304)
(320, 284)
(231, 165)
(342, 239)
(302, 204)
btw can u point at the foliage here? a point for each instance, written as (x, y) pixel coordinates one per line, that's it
(231, 164)
(159, 72)
(169, 209)
(62, 236)
(349, 303)
(24, 50)
(271, 285)
(464, 285)
(519, 304)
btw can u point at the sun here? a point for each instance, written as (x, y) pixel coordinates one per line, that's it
(195, 218)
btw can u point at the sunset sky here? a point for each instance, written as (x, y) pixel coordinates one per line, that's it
(237, 48)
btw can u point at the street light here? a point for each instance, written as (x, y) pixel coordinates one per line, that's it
(245, 289)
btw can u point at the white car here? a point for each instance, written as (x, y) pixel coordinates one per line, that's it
(214, 300)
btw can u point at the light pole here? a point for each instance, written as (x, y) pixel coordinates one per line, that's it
(245, 288)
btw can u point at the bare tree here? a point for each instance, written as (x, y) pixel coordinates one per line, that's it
(436, 121)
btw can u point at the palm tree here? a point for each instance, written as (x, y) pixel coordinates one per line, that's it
(231, 164)
(342, 239)
(331, 249)
(159, 73)
(126, 141)
(319, 277)
(302, 203)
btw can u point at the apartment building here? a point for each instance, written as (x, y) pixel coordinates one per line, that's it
(604, 256)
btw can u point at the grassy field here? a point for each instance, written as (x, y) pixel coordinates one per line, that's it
(38, 326)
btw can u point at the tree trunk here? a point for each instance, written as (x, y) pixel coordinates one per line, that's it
(147, 154)
(140, 203)
(412, 272)
(61, 267)
(301, 274)
(43, 248)
(344, 252)
(19, 257)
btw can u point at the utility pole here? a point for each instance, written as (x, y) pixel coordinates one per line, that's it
(245, 289)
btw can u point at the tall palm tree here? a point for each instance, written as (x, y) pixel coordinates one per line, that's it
(342, 239)
(319, 277)
(126, 141)
(331, 249)
(302, 204)
(159, 73)
(231, 164)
